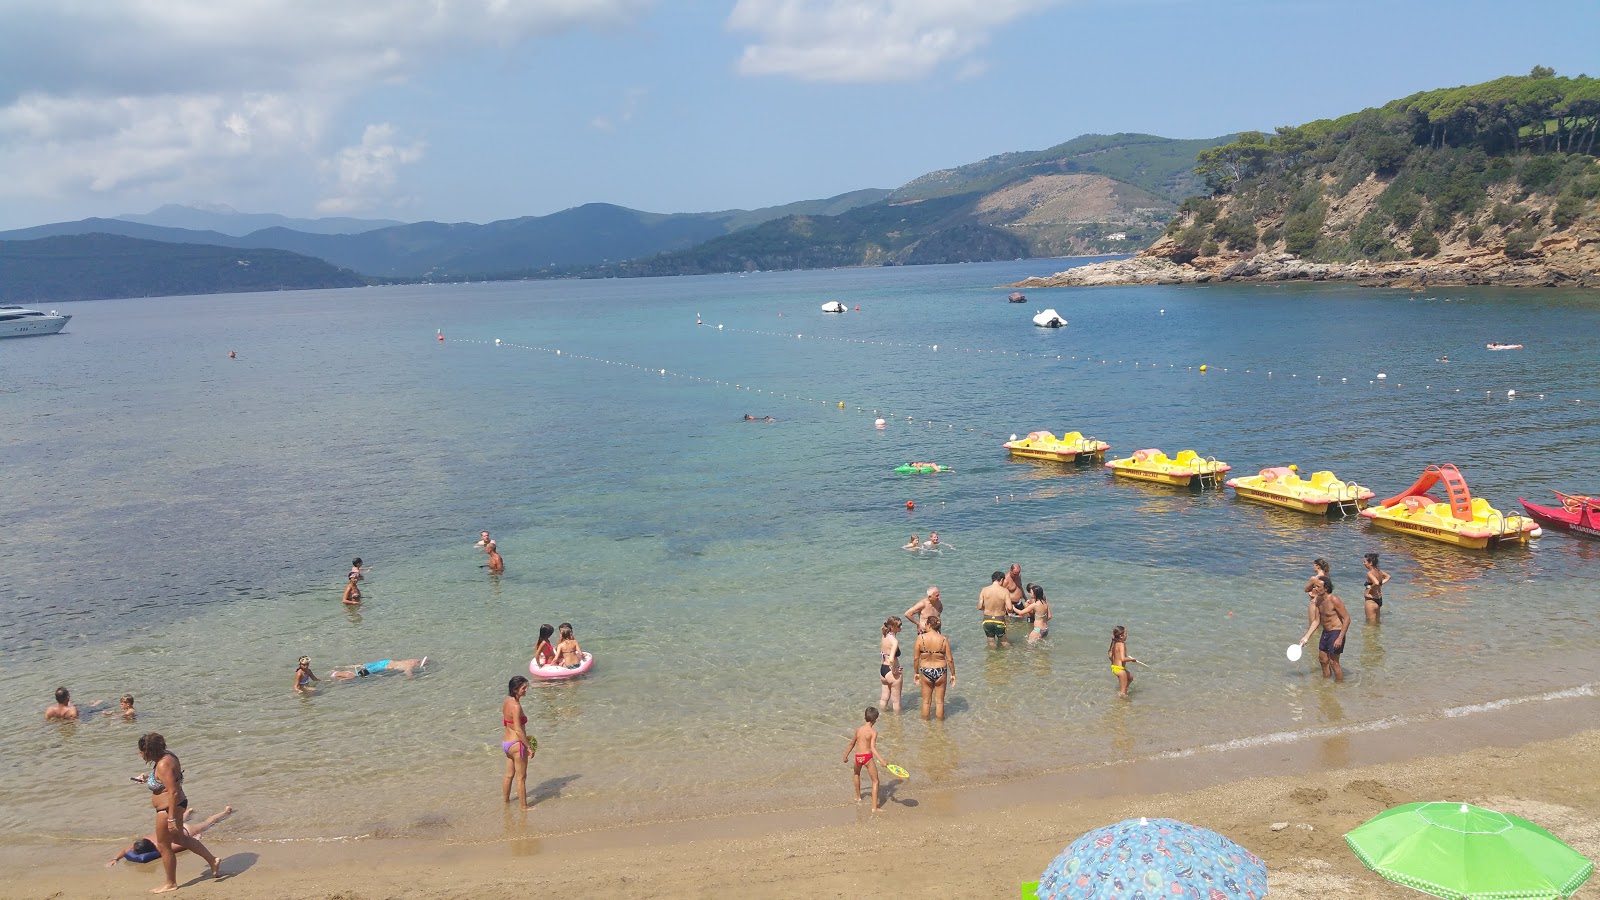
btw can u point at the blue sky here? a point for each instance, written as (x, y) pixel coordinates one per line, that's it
(473, 110)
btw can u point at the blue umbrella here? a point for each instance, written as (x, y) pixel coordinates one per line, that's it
(1153, 859)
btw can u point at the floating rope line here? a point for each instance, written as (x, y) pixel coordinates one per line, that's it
(1378, 380)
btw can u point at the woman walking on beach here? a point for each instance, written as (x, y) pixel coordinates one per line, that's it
(543, 653)
(1118, 654)
(889, 671)
(935, 665)
(171, 804)
(516, 743)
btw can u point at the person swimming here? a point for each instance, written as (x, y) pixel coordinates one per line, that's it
(914, 544)
(378, 667)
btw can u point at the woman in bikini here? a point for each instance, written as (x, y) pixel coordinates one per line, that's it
(1038, 611)
(352, 591)
(543, 653)
(935, 665)
(304, 678)
(1118, 654)
(568, 654)
(516, 743)
(165, 782)
(889, 672)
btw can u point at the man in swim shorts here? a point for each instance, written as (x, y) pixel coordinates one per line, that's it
(994, 602)
(1334, 620)
(496, 564)
(1373, 590)
(1013, 585)
(929, 605)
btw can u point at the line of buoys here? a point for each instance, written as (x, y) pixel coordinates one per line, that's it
(1203, 368)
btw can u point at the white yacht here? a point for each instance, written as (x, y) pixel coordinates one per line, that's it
(19, 321)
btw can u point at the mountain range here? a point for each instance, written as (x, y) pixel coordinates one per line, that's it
(1093, 194)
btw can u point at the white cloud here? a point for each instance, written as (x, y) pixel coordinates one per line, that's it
(187, 96)
(868, 40)
(368, 172)
(632, 100)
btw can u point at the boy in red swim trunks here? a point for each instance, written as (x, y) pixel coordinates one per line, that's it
(864, 743)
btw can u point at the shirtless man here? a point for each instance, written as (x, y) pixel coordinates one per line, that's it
(405, 666)
(929, 605)
(1373, 591)
(496, 564)
(1013, 586)
(934, 543)
(483, 540)
(352, 591)
(994, 602)
(1328, 612)
(147, 844)
(63, 708)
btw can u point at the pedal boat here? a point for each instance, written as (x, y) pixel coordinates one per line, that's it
(1462, 520)
(1577, 514)
(1180, 471)
(1070, 447)
(921, 468)
(1282, 486)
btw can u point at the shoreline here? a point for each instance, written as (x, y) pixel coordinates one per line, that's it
(1523, 758)
(1275, 268)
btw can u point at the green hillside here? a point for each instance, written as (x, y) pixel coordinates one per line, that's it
(103, 266)
(1162, 166)
(1493, 168)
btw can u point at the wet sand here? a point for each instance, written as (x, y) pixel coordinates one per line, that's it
(976, 842)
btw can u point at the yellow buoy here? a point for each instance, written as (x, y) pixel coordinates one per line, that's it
(841, 405)
(1202, 368)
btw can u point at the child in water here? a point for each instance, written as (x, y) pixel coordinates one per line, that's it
(865, 745)
(1119, 657)
(916, 543)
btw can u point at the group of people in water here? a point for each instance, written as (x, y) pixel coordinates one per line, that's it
(519, 746)
(1325, 610)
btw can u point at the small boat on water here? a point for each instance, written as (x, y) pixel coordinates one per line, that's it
(921, 468)
(1018, 297)
(1187, 469)
(1462, 520)
(1049, 319)
(1502, 346)
(1577, 514)
(1070, 447)
(1282, 486)
(19, 321)
(833, 306)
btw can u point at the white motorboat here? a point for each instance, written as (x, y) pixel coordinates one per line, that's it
(1049, 319)
(833, 306)
(19, 321)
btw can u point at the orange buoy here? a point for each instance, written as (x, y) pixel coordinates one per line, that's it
(858, 307)
(231, 355)
(910, 505)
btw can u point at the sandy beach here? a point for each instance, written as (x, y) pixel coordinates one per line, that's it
(976, 842)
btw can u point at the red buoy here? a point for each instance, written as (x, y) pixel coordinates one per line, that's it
(910, 505)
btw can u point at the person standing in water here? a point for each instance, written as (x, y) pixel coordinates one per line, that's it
(1013, 585)
(352, 591)
(889, 672)
(929, 605)
(1118, 654)
(994, 602)
(1372, 592)
(865, 745)
(496, 564)
(165, 782)
(516, 743)
(935, 666)
(1334, 619)
(1037, 610)
(63, 708)
(356, 570)
(544, 653)
(304, 678)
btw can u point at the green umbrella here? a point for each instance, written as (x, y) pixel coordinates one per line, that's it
(1463, 852)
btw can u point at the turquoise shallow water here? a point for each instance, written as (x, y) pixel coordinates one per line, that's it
(177, 524)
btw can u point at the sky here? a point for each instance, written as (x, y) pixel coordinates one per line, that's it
(476, 110)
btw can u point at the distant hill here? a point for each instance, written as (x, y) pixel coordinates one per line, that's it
(1057, 202)
(227, 220)
(591, 234)
(104, 266)
(1492, 183)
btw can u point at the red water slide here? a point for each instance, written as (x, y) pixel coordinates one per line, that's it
(1454, 484)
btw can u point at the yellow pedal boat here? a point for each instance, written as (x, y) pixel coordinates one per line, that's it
(1183, 470)
(1283, 486)
(1071, 447)
(1462, 520)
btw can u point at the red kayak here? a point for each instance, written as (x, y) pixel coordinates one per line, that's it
(1576, 513)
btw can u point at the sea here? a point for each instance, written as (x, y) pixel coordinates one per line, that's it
(177, 524)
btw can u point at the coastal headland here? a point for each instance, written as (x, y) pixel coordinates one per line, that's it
(1488, 184)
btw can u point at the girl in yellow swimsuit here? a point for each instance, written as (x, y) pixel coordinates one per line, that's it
(1118, 654)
